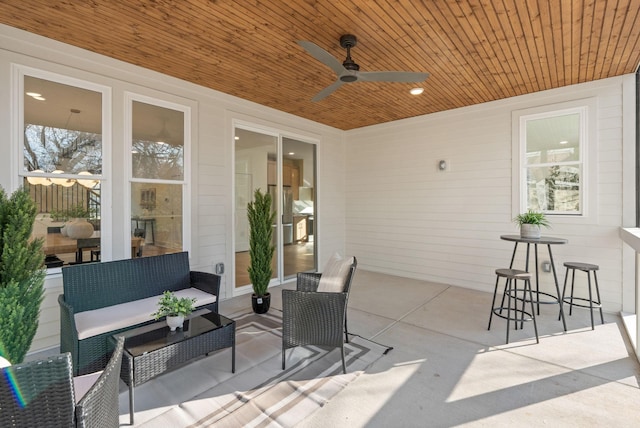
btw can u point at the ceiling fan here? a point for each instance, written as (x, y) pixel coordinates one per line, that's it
(348, 70)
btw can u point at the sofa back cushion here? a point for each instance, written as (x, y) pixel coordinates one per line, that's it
(96, 285)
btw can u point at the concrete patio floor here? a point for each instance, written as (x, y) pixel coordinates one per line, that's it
(447, 370)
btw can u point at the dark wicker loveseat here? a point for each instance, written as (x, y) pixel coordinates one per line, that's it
(122, 291)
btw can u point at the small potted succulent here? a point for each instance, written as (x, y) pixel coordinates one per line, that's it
(530, 223)
(174, 308)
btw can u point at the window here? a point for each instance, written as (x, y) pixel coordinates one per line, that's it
(62, 164)
(551, 162)
(159, 146)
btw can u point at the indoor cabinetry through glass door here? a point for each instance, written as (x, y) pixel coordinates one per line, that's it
(288, 175)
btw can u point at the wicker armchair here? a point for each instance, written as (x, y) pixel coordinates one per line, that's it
(100, 405)
(311, 317)
(37, 393)
(41, 394)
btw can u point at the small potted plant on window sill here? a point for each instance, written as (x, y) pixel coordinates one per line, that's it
(174, 308)
(530, 223)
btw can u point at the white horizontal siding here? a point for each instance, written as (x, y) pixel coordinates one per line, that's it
(404, 217)
(48, 333)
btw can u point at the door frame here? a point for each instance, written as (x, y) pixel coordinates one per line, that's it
(279, 134)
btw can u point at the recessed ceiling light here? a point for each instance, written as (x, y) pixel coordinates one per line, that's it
(236, 137)
(291, 153)
(564, 142)
(36, 96)
(416, 91)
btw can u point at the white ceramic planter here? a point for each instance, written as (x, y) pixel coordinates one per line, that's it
(531, 231)
(175, 322)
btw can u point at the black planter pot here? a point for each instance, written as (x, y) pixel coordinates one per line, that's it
(261, 304)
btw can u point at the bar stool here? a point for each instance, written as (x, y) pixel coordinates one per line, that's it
(588, 268)
(511, 295)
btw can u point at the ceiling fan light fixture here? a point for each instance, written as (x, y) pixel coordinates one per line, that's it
(416, 91)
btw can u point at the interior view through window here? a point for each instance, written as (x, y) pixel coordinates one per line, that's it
(63, 169)
(62, 164)
(553, 163)
(285, 168)
(157, 161)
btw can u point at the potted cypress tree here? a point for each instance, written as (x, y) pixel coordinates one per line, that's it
(260, 249)
(22, 275)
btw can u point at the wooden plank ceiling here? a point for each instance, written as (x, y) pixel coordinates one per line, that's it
(475, 50)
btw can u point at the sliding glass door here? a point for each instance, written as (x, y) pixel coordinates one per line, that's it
(285, 168)
(298, 180)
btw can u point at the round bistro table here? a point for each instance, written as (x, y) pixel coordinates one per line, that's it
(543, 240)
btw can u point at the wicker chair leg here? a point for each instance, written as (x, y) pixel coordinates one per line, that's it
(346, 333)
(283, 356)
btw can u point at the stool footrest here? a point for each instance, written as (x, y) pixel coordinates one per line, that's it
(538, 294)
(595, 304)
(516, 314)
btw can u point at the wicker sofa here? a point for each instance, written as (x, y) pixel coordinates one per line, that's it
(102, 299)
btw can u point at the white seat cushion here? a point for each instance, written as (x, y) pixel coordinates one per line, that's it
(82, 384)
(111, 318)
(4, 362)
(335, 274)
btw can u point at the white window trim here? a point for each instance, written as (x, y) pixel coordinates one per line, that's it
(589, 147)
(18, 72)
(129, 98)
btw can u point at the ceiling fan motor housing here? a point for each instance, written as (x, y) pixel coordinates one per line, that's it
(347, 41)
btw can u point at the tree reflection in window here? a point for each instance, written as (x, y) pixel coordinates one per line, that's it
(157, 142)
(553, 162)
(48, 149)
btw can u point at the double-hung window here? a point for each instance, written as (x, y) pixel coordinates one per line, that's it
(64, 152)
(551, 166)
(159, 144)
(63, 138)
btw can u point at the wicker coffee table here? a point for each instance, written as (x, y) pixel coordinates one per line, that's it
(153, 349)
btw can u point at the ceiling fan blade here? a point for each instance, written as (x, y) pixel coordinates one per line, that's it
(327, 91)
(392, 76)
(323, 56)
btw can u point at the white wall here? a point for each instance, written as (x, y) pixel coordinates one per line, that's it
(212, 169)
(406, 218)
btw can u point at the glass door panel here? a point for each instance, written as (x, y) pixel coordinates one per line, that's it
(298, 182)
(255, 168)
